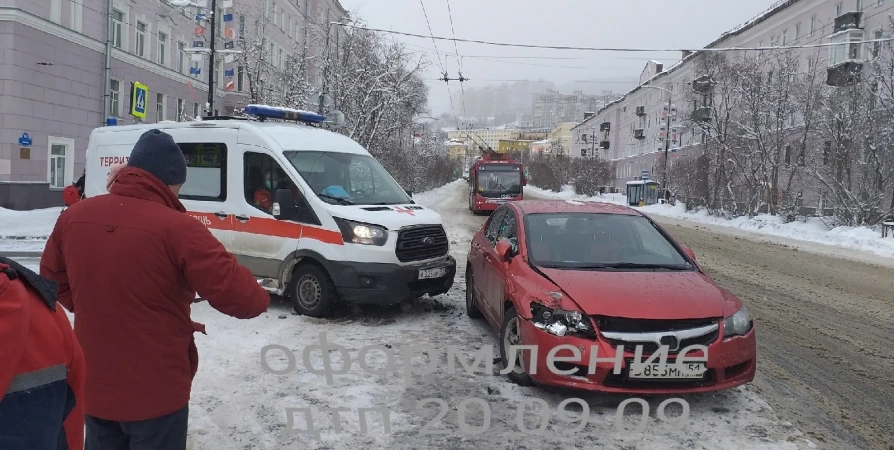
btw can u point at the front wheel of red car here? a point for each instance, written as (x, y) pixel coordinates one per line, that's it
(510, 339)
(471, 309)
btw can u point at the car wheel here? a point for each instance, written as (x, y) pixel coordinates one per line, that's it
(510, 335)
(312, 292)
(471, 309)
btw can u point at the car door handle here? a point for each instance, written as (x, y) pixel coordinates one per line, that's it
(242, 218)
(221, 215)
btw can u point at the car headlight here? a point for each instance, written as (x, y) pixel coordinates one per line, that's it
(737, 324)
(560, 322)
(362, 233)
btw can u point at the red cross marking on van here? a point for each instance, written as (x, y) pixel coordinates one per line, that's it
(405, 211)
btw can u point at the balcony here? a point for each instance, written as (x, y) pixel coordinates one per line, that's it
(702, 114)
(702, 84)
(640, 110)
(604, 145)
(639, 133)
(605, 126)
(849, 21)
(844, 74)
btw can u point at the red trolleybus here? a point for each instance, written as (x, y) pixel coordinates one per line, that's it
(495, 179)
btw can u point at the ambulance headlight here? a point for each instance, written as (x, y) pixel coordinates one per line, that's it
(362, 233)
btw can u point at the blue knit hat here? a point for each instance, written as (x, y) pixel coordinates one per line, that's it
(157, 153)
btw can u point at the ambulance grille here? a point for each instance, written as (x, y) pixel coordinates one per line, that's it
(421, 242)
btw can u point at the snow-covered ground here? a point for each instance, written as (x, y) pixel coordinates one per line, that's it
(813, 230)
(237, 404)
(26, 231)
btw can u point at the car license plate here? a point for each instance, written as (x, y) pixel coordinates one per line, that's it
(669, 371)
(437, 272)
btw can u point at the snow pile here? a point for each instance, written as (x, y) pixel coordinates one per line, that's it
(26, 231)
(813, 230)
(428, 197)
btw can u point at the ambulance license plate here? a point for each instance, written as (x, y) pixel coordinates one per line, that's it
(437, 272)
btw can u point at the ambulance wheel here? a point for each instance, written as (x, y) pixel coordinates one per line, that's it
(312, 292)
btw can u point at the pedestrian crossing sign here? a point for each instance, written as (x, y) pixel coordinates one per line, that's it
(138, 100)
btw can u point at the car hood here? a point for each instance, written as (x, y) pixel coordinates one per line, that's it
(642, 295)
(392, 217)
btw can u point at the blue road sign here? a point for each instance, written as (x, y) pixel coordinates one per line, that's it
(139, 100)
(25, 140)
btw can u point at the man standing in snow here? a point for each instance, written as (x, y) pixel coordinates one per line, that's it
(129, 265)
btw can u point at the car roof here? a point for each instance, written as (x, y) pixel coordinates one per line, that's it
(572, 206)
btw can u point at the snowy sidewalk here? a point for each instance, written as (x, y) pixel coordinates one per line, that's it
(812, 231)
(25, 233)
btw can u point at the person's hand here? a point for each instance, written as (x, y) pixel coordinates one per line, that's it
(113, 173)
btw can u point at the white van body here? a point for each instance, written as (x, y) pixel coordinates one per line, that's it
(409, 258)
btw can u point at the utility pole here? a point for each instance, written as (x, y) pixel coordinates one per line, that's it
(667, 139)
(211, 59)
(325, 92)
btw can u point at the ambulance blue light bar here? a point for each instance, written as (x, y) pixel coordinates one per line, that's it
(273, 112)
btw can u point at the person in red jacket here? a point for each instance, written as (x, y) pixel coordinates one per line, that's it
(41, 366)
(129, 265)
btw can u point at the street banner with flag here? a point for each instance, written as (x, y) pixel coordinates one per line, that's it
(199, 31)
(228, 17)
(195, 71)
(229, 73)
(229, 86)
(228, 33)
(198, 44)
(228, 59)
(227, 3)
(229, 45)
(200, 18)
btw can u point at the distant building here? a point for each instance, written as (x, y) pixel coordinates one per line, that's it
(456, 149)
(541, 147)
(513, 145)
(488, 137)
(551, 107)
(560, 138)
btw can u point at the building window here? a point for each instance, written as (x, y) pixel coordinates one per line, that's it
(114, 98)
(276, 15)
(241, 27)
(838, 8)
(159, 107)
(140, 47)
(291, 29)
(240, 79)
(849, 48)
(798, 31)
(117, 21)
(180, 111)
(282, 60)
(195, 110)
(812, 25)
(162, 48)
(784, 37)
(827, 152)
(181, 57)
(877, 46)
(77, 15)
(56, 11)
(60, 162)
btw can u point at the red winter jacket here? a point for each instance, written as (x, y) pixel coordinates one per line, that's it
(129, 265)
(41, 366)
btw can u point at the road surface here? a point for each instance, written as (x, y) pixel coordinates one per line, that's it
(825, 326)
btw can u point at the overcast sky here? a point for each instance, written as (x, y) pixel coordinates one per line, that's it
(582, 23)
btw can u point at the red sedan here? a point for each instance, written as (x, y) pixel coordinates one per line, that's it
(583, 279)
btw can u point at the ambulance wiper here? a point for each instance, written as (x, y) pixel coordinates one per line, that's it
(337, 199)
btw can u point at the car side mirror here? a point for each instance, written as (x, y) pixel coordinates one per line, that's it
(689, 252)
(284, 205)
(504, 250)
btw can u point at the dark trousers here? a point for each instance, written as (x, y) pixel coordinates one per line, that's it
(162, 433)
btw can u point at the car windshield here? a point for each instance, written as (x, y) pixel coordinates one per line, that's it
(347, 178)
(497, 180)
(593, 241)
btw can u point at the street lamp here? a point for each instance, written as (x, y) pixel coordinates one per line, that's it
(670, 95)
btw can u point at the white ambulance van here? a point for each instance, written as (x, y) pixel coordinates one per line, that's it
(307, 209)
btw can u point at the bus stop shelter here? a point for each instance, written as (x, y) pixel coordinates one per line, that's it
(642, 192)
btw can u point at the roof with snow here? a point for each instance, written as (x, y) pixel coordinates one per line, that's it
(772, 10)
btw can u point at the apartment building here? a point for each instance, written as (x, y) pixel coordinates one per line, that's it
(456, 149)
(551, 107)
(631, 131)
(53, 77)
(486, 137)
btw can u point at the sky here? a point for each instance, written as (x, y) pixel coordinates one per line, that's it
(645, 24)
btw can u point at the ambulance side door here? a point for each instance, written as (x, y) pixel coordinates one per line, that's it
(210, 178)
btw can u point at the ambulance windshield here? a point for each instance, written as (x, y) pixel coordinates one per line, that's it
(347, 178)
